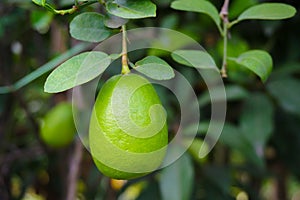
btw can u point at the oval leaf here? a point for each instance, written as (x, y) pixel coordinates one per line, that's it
(176, 180)
(259, 62)
(233, 93)
(131, 9)
(112, 21)
(238, 6)
(194, 58)
(256, 122)
(200, 6)
(232, 137)
(285, 92)
(155, 68)
(76, 71)
(89, 27)
(268, 11)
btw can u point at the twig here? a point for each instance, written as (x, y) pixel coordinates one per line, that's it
(74, 170)
(6, 165)
(20, 154)
(224, 16)
(224, 11)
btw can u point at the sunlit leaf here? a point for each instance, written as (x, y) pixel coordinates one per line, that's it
(200, 6)
(194, 58)
(131, 9)
(258, 61)
(39, 2)
(268, 11)
(76, 71)
(155, 68)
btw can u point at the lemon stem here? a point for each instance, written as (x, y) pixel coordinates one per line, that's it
(125, 68)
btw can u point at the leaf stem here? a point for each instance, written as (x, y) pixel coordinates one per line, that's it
(74, 8)
(125, 68)
(233, 23)
(224, 16)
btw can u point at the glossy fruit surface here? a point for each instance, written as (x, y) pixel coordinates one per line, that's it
(128, 130)
(57, 128)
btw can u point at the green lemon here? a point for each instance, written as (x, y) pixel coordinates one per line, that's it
(57, 128)
(128, 131)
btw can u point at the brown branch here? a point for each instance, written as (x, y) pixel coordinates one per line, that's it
(74, 170)
(20, 154)
(224, 11)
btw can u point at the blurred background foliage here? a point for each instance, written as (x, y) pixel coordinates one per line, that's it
(257, 156)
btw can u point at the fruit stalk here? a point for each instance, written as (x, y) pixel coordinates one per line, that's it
(125, 68)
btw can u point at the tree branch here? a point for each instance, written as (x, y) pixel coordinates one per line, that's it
(74, 170)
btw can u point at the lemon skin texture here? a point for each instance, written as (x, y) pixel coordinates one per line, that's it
(57, 128)
(117, 153)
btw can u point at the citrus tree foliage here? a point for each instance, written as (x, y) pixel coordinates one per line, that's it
(45, 51)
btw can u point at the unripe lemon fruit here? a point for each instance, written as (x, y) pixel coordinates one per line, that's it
(57, 128)
(128, 131)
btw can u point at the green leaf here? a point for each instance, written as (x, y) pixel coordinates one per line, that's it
(41, 20)
(170, 41)
(235, 47)
(115, 56)
(238, 6)
(287, 94)
(39, 2)
(200, 6)
(233, 92)
(285, 71)
(76, 71)
(112, 21)
(256, 121)
(194, 58)
(89, 26)
(44, 69)
(155, 68)
(131, 9)
(268, 11)
(233, 137)
(259, 62)
(176, 180)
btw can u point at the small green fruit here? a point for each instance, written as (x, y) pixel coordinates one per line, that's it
(57, 128)
(128, 131)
